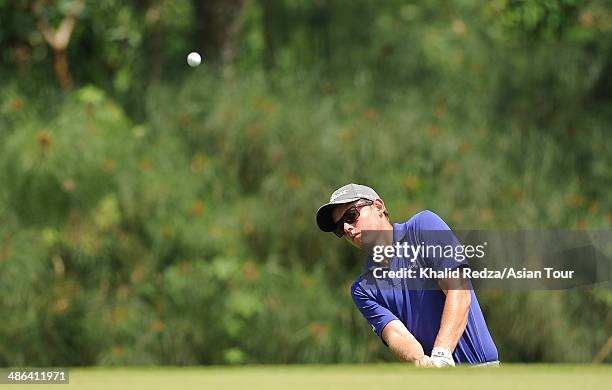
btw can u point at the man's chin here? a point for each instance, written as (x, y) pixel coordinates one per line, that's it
(356, 241)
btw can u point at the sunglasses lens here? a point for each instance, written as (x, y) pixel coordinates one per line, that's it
(350, 216)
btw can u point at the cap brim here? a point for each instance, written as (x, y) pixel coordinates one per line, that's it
(325, 220)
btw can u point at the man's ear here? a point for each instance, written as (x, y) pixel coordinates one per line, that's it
(380, 206)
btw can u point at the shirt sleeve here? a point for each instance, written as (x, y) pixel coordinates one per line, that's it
(444, 249)
(377, 315)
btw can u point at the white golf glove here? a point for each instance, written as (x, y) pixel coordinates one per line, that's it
(442, 357)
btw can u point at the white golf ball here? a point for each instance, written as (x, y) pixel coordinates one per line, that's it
(194, 59)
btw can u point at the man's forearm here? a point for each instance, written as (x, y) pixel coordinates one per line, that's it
(402, 343)
(454, 318)
(407, 349)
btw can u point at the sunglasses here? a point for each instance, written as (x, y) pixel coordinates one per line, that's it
(350, 216)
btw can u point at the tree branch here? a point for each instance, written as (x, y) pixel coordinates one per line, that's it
(59, 38)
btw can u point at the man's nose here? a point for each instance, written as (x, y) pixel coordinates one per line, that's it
(348, 228)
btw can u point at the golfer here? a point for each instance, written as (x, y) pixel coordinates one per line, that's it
(437, 327)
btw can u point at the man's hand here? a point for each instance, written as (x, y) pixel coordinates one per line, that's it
(442, 357)
(423, 362)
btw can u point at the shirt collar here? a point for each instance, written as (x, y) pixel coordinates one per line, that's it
(399, 232)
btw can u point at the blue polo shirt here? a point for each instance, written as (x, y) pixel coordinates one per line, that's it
(420, 310)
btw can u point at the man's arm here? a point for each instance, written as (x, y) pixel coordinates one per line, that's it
(454, 316)
(403, 344)
(433, 230)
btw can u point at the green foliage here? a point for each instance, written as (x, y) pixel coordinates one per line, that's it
(536, 19)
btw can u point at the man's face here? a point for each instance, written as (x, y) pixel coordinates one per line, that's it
(369, 219)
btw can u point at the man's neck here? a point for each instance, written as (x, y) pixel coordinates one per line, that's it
(386, 234)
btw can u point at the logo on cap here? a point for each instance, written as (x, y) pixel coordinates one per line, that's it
(338, 194)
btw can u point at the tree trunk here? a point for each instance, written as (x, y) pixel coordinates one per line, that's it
(59, 38)
(62, 70)
(219, 24)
